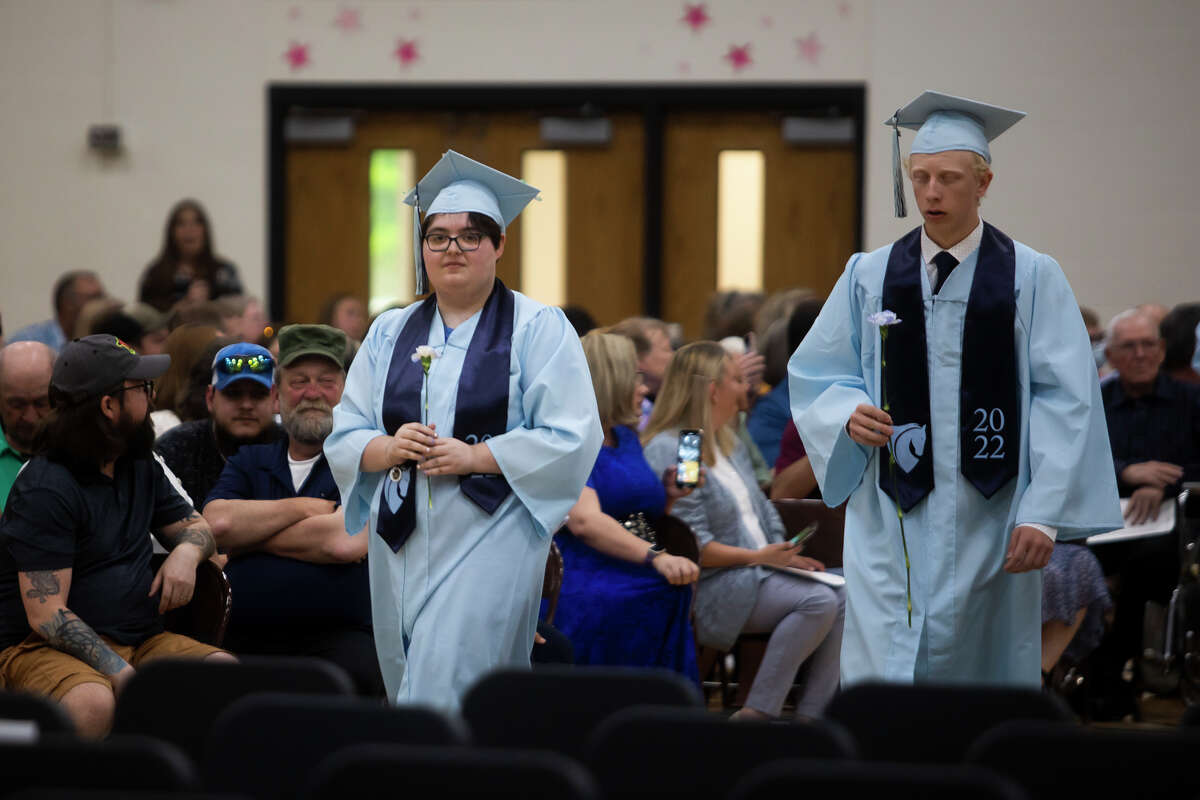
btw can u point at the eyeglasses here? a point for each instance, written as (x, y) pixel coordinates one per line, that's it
(1134, 345)
(467, 241)
(232, 365)
(145, 386)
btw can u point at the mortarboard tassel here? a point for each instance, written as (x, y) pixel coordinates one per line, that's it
(897, 172)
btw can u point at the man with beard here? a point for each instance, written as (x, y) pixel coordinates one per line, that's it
(300, 580)
(80, 606)
(241, 400)
(24, 402)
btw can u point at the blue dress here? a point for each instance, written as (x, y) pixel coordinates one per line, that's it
(615, 612)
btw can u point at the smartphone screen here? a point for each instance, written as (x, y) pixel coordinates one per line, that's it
(687, 459)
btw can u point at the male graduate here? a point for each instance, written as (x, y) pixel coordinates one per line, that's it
(981, 420)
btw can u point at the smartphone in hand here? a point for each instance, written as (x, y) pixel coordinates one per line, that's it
(687, 458)
(805, 534)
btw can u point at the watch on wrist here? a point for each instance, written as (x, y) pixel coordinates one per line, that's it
(653, 553)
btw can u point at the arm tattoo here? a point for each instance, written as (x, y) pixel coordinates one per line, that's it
(195, 531)
(68, 633)
(43, 584)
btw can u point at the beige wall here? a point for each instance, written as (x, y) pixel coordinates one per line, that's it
(1098, 175)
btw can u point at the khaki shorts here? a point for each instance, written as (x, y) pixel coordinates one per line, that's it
(34, 666)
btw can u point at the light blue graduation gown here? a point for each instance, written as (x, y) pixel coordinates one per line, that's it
(972, 622)
(462, 595)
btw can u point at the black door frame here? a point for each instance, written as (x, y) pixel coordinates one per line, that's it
(654, 102)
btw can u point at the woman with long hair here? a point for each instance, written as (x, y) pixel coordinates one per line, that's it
(187, 267)
(741, 539)
(624, 600)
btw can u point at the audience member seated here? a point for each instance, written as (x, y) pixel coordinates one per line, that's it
(24, 402)
(747, 359)
(71, 292)
(242, 318)
(794, 476)
(1178, 330)
(119, 324)
(731, 313)
(241, 404)
(299, 580)
(771, 412)
(652, 341)
(209, 313)
(740, 535)
(1075, 601)
(76, 529)
(1154, 430)
(347, 313)
(185, 346)
(187, 267)
(154, 328)
(770, 331)
(624, 601)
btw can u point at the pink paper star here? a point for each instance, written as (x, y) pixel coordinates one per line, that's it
(685, 67)
(843, 9)
(810, 48)
(293, 13)
(297, 56)
(348, 19)
(768, 22)
(695, 16)
(406, 51)
(739, 57)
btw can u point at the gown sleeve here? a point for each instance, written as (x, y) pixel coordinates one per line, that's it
(1071, 483)
(548, 457)
(355, 424)
(825, 384)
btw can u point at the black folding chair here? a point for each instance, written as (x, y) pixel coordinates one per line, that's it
(121, 763)
(178, 701)
(934, 724)
(365, 772)
(266, 745)
(697, 753)
(807, 778)
(30, 716)
(557, 708)
(1065, 761)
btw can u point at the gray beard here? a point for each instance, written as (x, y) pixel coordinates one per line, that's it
(308, 429)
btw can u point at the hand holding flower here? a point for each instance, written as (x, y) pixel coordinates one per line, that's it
(411, 442)
(449, 456)
(869, 426)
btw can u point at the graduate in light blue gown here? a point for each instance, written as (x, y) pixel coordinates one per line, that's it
(994, 421)
(463, 462)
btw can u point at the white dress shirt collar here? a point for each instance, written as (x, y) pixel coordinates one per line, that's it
(930, 248)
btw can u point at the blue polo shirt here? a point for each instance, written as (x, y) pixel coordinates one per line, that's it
(278, 591)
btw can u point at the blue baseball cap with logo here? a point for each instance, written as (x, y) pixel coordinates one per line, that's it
(243, 361)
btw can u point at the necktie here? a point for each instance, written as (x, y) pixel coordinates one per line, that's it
(945, 264)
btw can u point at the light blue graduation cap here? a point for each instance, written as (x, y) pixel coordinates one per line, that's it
(945, 122)
(458, 184)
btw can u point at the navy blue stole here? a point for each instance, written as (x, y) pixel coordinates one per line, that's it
(481, 408)
(989, 414)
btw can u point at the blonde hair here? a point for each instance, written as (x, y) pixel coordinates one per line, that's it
(684, 399)
(613, 363)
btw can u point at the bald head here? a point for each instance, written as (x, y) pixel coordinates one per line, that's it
(25, 369)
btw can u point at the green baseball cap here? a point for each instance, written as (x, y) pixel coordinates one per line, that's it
(297, 341)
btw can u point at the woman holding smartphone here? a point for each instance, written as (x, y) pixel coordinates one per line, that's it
(624, 601)
(741, 536)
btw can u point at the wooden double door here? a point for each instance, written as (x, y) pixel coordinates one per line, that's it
(809, 226)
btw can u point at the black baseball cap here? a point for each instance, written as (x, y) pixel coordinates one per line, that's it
(89, 367)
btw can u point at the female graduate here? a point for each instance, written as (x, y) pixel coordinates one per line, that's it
(465, 434)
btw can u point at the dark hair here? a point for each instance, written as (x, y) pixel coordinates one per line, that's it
(193, 404)
(66, 284)
(1178, 331)
(481, 222)
(580, 319)
(79, 435)
(208, 313)
(801, 321)
(158, 281)
(330, 305)
(731, 313)
(121, 325)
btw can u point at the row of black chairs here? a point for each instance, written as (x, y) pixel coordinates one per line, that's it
(271, 729)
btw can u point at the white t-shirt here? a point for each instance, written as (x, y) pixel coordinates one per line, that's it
(724, 472)
(301, 469)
